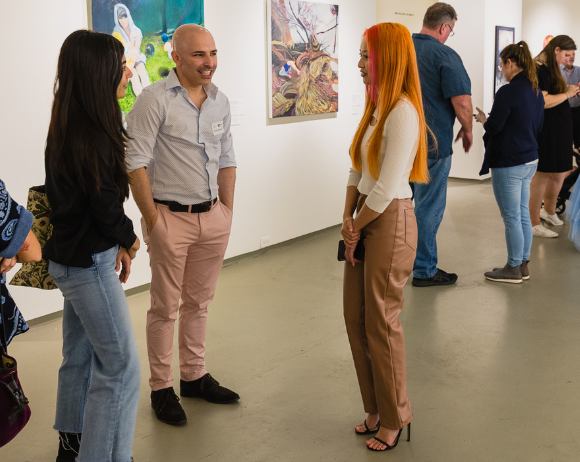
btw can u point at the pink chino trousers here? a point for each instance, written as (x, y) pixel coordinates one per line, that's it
(186, 252)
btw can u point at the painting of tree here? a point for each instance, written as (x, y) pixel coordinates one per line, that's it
(303, 58)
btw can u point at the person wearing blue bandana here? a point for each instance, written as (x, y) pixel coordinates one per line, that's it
(17, 244)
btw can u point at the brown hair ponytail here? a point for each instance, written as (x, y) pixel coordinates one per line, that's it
(519, 54)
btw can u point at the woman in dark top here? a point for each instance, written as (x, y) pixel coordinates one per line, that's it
(86, 184)
(511, 151)
(556, 137)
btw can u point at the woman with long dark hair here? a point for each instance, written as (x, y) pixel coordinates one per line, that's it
(511, 151)
(555, 140)
(389, 149)
(86, 184)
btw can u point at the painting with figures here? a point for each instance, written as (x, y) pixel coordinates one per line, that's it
(302, 58)
(145, 28)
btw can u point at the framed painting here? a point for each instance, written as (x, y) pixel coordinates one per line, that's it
(504, 36)
(302, 58)
(145, 28)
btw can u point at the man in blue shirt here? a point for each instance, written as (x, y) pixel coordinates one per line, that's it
(446, 92)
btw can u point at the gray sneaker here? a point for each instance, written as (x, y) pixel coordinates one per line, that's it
(511, 274)
(525, 271)
(523, 268)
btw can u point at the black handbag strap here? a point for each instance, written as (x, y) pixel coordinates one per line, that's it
(4, 345)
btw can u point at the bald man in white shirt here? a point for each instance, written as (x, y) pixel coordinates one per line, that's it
(183, 171)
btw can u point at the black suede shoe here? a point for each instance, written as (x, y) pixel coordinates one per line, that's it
(441, 278)
(69, 446)
(166, 405)
(209, 389)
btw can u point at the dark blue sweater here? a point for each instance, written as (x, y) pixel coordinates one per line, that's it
(511, 131)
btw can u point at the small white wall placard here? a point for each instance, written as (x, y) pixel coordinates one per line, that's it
(237, 107)
(356, 104)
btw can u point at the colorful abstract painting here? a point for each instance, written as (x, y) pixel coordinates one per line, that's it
(145, 27)
(302, 58)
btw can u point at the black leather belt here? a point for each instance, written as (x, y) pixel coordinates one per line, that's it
(195, 208)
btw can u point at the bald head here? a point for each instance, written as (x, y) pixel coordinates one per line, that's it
(188, 33)
(195, 55)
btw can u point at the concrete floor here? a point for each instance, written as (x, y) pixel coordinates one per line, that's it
(493, 370)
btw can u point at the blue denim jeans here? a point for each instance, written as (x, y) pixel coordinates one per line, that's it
(511, 186)
(430, 201)
(98, 381)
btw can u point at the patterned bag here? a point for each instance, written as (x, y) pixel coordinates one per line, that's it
(35, 274)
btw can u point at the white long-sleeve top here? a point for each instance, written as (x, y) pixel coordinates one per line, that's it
(398, 150)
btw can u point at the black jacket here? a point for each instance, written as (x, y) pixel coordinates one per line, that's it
(84, 224)
(511, 131)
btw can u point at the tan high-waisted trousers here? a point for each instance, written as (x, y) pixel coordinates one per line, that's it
(373, 299)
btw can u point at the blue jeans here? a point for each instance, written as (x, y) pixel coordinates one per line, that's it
(511, 186)
(98, 381)
(430, 201)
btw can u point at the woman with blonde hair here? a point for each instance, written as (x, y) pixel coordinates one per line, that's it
(389, 149)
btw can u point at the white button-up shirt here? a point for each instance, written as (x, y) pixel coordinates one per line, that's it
(182, 147)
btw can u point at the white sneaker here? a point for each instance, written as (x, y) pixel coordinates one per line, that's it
(540, 231)
(552, 219)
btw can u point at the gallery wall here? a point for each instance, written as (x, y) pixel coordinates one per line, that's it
(541, 18)
(474, 41)
(497, 13)
(408, 13)
(467, 41)
(291, 173)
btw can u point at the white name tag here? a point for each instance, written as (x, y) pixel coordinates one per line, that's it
(218, 128)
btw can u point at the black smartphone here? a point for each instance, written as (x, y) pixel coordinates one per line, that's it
(359, 251)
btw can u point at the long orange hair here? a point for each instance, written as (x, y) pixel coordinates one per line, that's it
(393, 72)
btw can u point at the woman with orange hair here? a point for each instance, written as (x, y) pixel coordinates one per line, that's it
(389, 150)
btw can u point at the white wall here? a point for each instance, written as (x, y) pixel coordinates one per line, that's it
(467, 42)
(477, 20)
(497, 13)
(474, 40)
(408, 13)
(541, 18)
(291, 176)
(26, 96)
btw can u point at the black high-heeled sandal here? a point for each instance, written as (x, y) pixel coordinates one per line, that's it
(368, 431)
(388, 447)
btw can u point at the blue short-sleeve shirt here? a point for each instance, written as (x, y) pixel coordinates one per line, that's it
(442, 77)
